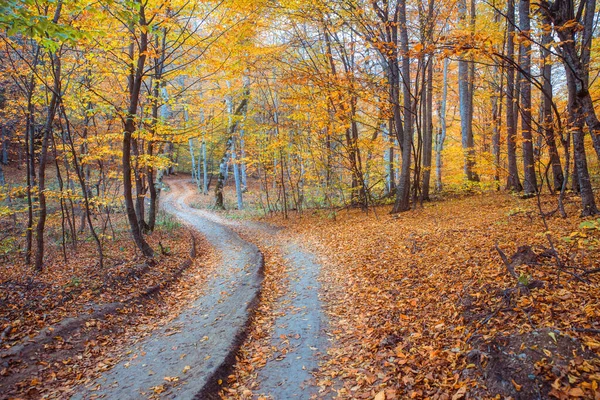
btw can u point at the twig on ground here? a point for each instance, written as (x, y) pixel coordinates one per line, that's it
(509, 267)
(5, 333)
(586, 330)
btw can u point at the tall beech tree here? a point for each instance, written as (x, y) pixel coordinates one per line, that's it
(529, 180)
(513, 182)
(575, 51)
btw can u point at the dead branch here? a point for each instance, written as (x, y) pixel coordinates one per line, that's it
(509, 267)
(586, 330)
(5, 333)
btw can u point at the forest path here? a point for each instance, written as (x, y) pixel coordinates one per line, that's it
(186, 358)
(298, 337)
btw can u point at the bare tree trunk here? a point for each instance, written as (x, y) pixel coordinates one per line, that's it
(548, 119)
(204, 169)
(47, 132)
(241, 109)
(513, 183)
(580, 107)
(403, 189)
(4, 160)
(428, 131)
(441, 137)
(29, 137)
(498, 88)
(134, 85)
(466, 105)
(154, 192)
(530, 179)
(237, 177)
(140, 188)
(387, 156)
(195, 178)
(576, 122)
(243, 160)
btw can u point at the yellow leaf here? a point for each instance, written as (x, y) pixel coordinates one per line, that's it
(158, 389)
(460, 393)
(547, 352)
(516, 385)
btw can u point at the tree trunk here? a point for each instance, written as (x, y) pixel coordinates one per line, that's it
(403, 189)
(204, 169)
(513, 183)
(530, 180)
(576, 122)
(241, 109)
(154, 192)
(428, 131)
(237, 176)
(4, 160)
(134, 85)
(547, 115)
(580, 107)
(47, 132)
(140, 188)
(498, 89)
(5, 143)
(466, 105)
(441, 137)
(242, 161)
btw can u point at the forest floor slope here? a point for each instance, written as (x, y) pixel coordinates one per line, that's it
(421, 304)
(68, 323)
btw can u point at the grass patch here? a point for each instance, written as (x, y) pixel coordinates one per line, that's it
(167, 222)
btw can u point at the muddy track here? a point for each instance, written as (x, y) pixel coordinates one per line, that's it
(196, 350)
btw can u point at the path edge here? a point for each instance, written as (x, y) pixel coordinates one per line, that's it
(213, 387)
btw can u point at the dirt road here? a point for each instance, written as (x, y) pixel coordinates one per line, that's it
(195, 352)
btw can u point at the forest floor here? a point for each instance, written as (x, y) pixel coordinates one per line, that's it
(351, 305)
(422, 305)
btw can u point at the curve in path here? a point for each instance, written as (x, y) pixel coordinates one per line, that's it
(198, 347)
(299, 333)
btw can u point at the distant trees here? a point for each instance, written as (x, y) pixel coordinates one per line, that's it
(383, 73)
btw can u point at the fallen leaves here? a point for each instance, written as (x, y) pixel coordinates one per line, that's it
(406, 294)
(158, 389)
